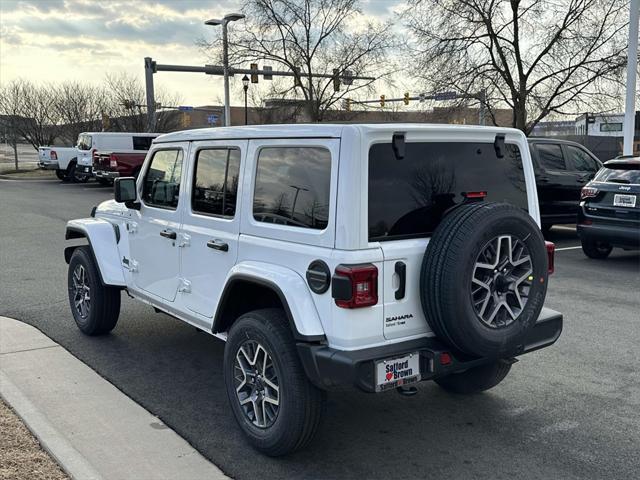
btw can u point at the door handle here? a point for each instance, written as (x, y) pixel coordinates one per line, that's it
(170, 234)
(218, 245)
(401, 270)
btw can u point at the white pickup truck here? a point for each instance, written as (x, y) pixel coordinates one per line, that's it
(76, 163)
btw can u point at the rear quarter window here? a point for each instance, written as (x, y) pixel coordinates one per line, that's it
(408, 198)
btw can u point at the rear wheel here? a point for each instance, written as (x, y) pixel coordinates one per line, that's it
(95, 307)
(475, 380)
(596, 249)
(61, 174)
(274, 403)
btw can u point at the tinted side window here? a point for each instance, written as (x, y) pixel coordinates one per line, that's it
(409, 197)
(579, 160)
(215, 183)
(142, 143)
(161, 185)
(550, 156)
(292, 186)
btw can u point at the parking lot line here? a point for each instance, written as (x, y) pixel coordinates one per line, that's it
(568, 248)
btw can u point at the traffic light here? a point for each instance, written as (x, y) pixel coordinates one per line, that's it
(297, 80)
(336, 80)
(382, 101)
(347, 105)
(406, 98)
(254, 76)
(186, 120)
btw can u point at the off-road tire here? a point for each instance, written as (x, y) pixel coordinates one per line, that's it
(104, 307)
(595, 249)
(61, 174)
(448, 269)
(475, 380)
(301, 404)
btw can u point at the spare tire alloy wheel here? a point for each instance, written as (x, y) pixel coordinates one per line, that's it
(502, 279)
(256, 382)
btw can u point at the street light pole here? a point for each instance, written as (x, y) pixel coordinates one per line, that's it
(232, 17)
(245, 86)
(632, 63)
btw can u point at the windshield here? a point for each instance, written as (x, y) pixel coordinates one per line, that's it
(409, 197)
(619, 174)
(84, 142)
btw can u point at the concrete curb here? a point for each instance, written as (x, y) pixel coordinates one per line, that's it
(87, 425)
(11, 177)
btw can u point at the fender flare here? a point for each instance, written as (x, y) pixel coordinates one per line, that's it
(291, 289)
(103, 238)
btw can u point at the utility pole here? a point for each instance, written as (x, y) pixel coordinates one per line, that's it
(149, 68)
(632, 65)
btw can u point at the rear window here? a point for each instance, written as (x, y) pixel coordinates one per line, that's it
(142, 143)
(407, 198)
(629, 173)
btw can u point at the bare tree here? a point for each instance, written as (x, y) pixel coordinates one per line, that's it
(538, 57)
(311, 37)
(79, 109)
(30, 111)
(126, 105)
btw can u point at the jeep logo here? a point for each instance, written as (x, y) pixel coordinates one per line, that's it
(622, 187)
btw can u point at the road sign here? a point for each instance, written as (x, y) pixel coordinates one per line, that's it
(212, 119)
(347, 77)
(185, 108)
(445, 96)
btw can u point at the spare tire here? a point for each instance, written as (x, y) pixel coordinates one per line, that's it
(484, 279)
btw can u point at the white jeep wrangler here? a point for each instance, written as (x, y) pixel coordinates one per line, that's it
(375, 256)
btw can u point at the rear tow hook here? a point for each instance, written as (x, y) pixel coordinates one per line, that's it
(407, 391)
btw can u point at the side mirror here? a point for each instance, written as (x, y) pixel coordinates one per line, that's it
(124, 191)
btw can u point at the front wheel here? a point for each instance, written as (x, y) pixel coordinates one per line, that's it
(475, 380)
(595, 249)
(95, 307)
(61, 174)
(275, 405)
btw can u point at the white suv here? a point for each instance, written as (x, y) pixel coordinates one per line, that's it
(375, 256)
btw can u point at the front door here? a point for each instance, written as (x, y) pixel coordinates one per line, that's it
(211, 224)
(154, 230)
(556, 184)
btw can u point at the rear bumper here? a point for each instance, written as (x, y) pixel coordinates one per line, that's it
(48, 165)
(106, 174)
(328, 368)
(618, 232)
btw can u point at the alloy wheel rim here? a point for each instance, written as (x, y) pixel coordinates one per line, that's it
(81, 291)
(501, 281)
(257, 384)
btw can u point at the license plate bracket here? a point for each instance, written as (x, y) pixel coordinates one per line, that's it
(623, 200)
(397, 371)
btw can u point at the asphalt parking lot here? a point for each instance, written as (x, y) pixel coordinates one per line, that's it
(570, 411)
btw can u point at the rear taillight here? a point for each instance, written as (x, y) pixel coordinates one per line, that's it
(113, 163)
(588, 192)
(53, 155)
(355, 286)
(479, 194)
(551, 255)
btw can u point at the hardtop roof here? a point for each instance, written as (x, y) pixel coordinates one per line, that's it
(313, 130)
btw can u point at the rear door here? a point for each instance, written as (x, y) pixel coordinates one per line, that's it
(556, 183)
(211, 226)
(583, 166)
(408, 199)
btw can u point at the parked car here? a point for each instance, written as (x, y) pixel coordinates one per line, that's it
(108, 165)
(561, 168)
(609, 214)
(51, 158)
(76, 163)
(374, 256)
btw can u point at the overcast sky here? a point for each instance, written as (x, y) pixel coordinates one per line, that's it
(56, 40)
